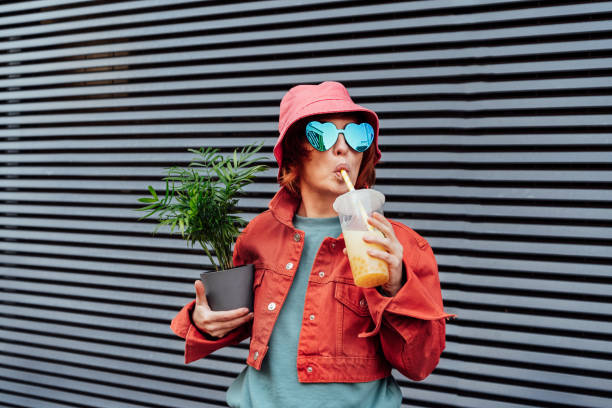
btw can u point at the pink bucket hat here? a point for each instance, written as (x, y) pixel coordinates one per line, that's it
(302, 101)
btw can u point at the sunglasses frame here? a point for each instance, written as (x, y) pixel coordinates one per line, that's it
(316, 132)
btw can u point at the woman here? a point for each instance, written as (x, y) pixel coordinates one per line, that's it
(316, 338)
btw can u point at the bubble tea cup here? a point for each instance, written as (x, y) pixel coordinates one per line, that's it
(353, 208)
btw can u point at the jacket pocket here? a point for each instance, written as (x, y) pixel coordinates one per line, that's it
(352, 318)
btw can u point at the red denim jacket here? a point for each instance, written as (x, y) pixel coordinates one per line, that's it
(357, 334)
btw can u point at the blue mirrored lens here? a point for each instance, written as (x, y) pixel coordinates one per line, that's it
(359, 136)
(322, 136)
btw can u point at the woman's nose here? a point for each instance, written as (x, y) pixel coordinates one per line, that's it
(341, 147)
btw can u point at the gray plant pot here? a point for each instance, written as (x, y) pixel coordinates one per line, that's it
(229, 289)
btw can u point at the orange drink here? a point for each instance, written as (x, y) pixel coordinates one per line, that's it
(368, 271)
(353, 209)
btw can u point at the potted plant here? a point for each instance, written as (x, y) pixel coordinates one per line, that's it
(202, 201)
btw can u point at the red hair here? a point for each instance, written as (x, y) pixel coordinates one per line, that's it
(295, 151)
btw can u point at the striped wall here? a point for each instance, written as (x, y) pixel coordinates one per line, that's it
(496, 122)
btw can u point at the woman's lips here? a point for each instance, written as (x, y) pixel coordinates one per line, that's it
(337, 172)
(341, 167)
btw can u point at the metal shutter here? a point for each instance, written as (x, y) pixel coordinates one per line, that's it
(496, 137)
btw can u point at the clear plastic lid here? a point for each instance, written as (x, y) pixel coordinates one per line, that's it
(348, 207)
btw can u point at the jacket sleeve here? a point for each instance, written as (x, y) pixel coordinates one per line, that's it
(198, 344)
(411, 325)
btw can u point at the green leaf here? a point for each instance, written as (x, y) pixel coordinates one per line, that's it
(153, 193)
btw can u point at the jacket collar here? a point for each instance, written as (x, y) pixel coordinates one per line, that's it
(283, 206)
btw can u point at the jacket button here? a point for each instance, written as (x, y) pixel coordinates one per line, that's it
(256, 355)
(297, 237)
(311, 317)
(309, 369)
(271, 306)
(289, 266)
(321, 274)
(362, 303)
(333, 245)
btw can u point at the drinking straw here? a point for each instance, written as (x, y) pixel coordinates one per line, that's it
(362, 210)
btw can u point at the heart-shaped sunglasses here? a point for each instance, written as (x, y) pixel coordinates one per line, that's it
(323, 135)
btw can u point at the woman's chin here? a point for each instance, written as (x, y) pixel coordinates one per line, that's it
(340, 188)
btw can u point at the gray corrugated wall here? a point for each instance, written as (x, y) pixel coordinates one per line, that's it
(496, 124)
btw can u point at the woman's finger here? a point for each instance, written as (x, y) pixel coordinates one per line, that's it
(390, 259)
(226, 315)
(377, 239)
(200, 294)
(220, 329)
(379, 222)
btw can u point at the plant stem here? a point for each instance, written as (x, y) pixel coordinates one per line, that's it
(208, 254)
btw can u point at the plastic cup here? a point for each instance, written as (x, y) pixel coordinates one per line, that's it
(352, 209)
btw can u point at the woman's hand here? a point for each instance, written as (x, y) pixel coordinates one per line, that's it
(216, 324)
(392, 255)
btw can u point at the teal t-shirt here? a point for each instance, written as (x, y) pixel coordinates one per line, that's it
(276, 384)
